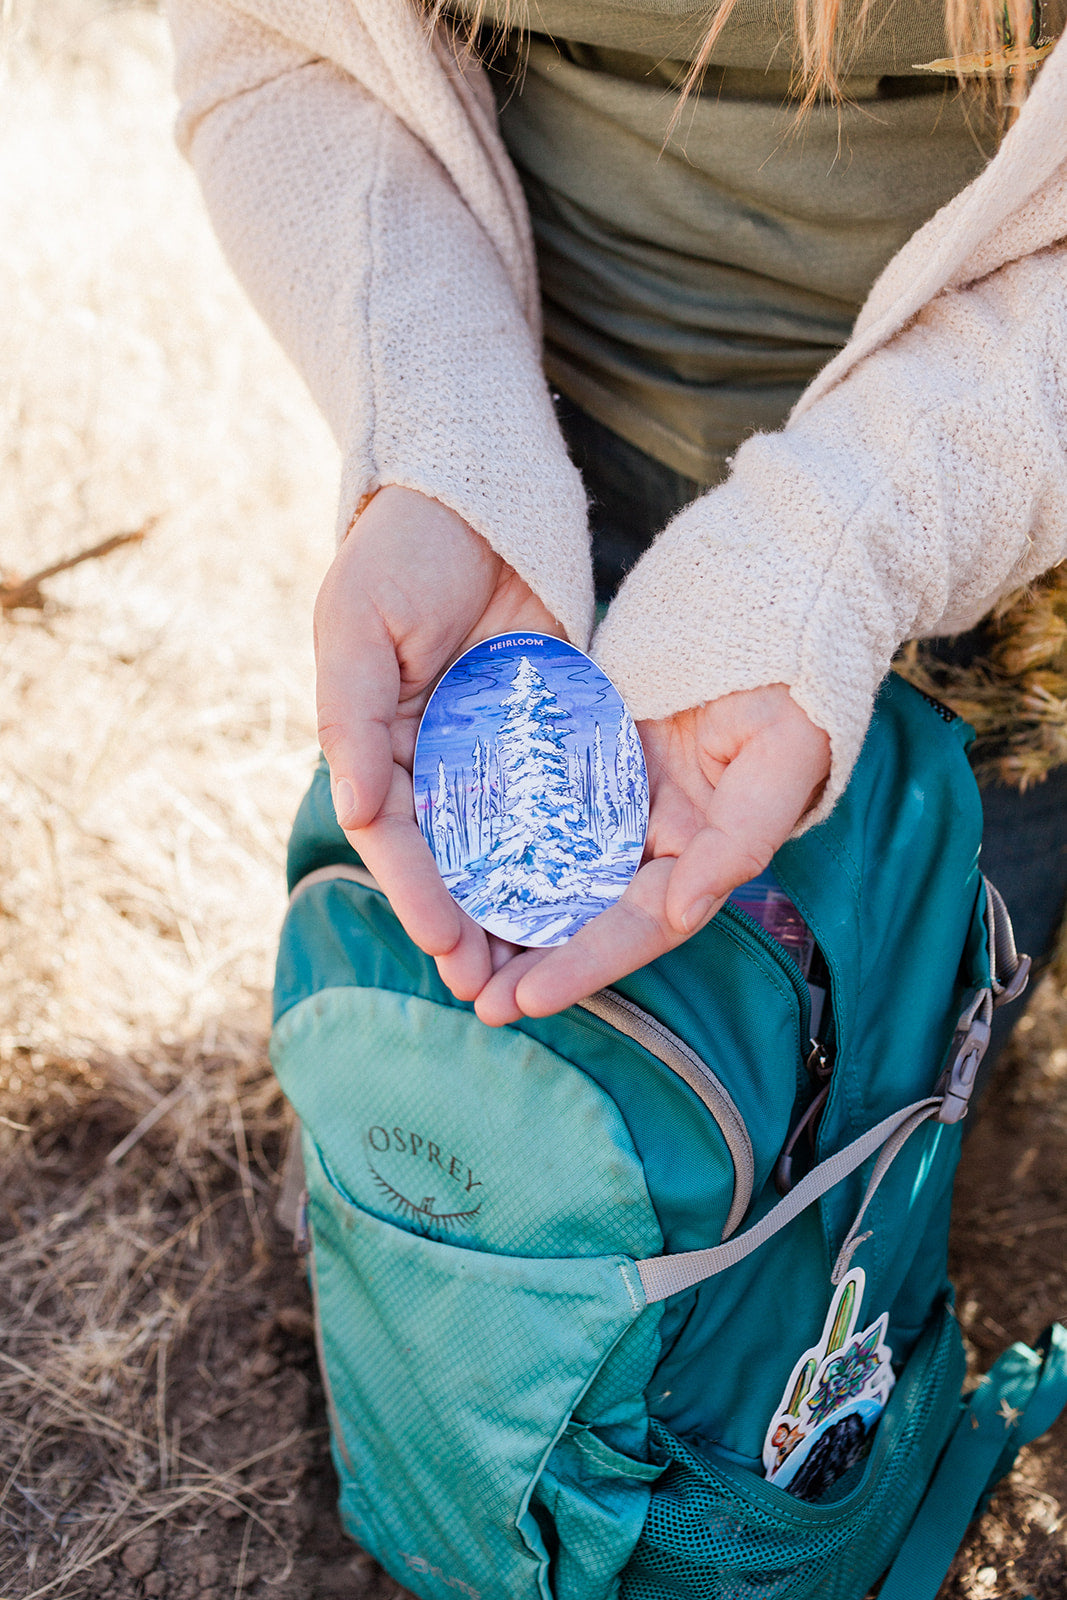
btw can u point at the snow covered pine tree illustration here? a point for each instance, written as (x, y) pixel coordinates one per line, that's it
(535, 810)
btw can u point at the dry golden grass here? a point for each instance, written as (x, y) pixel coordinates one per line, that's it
(1015, 695)
(156, 727)
(156, 731)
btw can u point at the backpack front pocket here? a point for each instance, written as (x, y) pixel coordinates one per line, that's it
(476, 1205)
(453, 1375)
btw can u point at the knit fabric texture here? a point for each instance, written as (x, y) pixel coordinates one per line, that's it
(356, 178)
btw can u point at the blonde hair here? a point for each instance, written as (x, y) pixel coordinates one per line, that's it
(990, 41)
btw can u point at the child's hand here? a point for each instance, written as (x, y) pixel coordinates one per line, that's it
(728, 782)
(410, 589)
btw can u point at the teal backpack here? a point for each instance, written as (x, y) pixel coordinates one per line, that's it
(583, 1284)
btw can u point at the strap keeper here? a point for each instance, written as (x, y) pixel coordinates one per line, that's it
(1005, 993)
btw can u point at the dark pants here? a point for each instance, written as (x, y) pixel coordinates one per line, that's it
(1024, 843)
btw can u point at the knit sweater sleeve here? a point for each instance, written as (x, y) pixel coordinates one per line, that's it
(367, 260)
(902, 503)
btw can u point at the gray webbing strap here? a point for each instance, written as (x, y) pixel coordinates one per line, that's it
(1010, 970)
(662, 1276)
(893, 1146)
(347, 871)
(666, 1275)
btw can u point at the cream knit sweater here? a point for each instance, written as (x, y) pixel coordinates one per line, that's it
(359, 185)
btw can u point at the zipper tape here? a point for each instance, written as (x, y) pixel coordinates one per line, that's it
(629, 1019)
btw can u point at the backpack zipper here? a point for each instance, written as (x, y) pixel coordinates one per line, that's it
(780, 955)
(627, 1018)
(816, 1073)
(621, 1014)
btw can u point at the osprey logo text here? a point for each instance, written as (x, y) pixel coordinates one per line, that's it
(448, 1173)
(420, 1564)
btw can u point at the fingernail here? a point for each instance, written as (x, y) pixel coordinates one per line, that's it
(344, 801)
(698, 913)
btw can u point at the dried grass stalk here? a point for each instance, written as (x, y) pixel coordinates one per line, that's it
(156, 731)
(26, 594)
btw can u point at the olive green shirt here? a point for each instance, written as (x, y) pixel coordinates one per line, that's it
(693, 286)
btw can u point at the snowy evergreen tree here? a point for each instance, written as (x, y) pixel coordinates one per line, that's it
(424, 816)
(576, 773)
(543, 849)
(606, 817)
(630, 776)
(460, 812)
(494, 794)
(580, 785)
(444, 822)
(478, 758)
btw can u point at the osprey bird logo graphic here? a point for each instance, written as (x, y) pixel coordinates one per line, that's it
(422, 1215)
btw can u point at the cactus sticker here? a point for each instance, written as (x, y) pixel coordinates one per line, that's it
(832, 1401)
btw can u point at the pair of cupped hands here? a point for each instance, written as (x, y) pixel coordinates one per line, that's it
(411, 588)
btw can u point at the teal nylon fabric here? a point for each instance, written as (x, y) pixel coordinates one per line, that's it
(717, 1532)
(485, 1247)
(388, 1081)
(364, 1027)
(478, 1361)
(340, 935)
(580, 1470)
(890, 885)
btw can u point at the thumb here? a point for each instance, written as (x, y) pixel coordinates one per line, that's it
(357, 692)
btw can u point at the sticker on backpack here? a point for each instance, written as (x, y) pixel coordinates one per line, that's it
(834, 1397)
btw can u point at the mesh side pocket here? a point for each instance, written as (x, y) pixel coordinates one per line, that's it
(716, 1532)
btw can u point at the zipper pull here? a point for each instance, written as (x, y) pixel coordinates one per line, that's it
(819, 1063)
(783, 1171)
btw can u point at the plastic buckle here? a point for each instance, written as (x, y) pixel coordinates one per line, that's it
(969, 1044)
(1004, 994)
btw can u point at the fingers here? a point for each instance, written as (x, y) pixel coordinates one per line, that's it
(758, 800)
(501, 951)
(496, 1004)
(627, 935)
(767, 771)
(407, 584)
(468, 966)
(410, 587)
(396, 853)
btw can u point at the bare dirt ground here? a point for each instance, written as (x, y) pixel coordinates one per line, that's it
(161, 1425)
